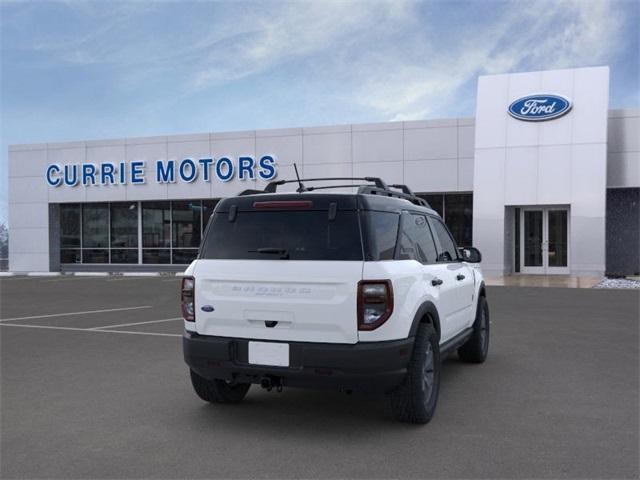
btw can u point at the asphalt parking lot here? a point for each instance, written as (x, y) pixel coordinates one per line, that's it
(93, 385)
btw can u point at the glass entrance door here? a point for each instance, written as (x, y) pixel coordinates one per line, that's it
(557, 245)
(544, 240)
(533, 241)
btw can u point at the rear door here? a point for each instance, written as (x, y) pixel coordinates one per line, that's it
(461, 275)
(282, 271)
(417, 243)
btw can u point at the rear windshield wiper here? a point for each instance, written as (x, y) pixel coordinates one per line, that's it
(283, 252)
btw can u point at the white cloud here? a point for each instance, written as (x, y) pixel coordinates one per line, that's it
(534, 36)
(391, 57)
(295, 30)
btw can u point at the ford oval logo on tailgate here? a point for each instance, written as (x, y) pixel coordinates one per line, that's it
(536, 108)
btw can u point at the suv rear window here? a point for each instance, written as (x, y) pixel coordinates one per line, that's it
(293, 235)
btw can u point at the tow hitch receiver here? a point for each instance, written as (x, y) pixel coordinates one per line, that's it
(269, 382)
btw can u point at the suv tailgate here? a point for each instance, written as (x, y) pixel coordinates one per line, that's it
(286, 300)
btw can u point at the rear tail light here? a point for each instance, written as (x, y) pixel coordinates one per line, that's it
(187, 299)
(375, 303)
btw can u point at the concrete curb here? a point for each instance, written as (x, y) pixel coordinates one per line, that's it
(93, 274)
(140, 274)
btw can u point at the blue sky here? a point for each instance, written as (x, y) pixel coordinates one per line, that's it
(81, 70)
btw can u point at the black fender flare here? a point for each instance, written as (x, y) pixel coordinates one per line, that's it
(481, 293)
(427, 309)
(481, 290)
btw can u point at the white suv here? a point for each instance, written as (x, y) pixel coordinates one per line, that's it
(361, 291)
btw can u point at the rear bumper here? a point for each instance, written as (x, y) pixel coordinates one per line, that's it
(368, 367)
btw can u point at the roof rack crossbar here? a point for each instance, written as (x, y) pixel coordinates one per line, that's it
(370, 190)
(250, 191)
(376, 187)
(404, 188)
(273, 186)
(326, 187)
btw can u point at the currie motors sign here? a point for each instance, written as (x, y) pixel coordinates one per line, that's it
(537, 108)
(188, 170)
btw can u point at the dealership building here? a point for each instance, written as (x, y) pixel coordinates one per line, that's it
(544, 180)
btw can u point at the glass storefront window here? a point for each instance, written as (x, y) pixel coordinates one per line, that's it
(95, 225)
(456, 209)
(208, 206)
(156, 224)
(184, 255)
(127, 255)
(156, 255)
(70, 255)
(108, 232)
(436, 200)
(186, 218)
(94, 255)
(124, 225)
(458, 212)
(69, 226)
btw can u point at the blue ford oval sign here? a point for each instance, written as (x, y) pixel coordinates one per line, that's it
(536, 108)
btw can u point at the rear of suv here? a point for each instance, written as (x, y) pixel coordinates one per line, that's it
(361, 291)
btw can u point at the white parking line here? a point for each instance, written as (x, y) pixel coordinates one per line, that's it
(136, 323)
(19, 278)
(72, 278)
(48, 327)
(75, 313)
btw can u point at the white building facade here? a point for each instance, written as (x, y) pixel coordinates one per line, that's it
(544, 180)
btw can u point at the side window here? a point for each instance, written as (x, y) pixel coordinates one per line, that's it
(416, 242)
(382, 234)
(447, 251)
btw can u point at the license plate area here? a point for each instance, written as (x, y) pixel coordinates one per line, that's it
(269, 353)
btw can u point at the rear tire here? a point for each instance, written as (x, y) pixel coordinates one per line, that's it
(415, 400)
(475, 349)
(218, 391)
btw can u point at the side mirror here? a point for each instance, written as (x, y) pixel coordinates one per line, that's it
(470, 254)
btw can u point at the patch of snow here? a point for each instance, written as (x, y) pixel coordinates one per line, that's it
(624, 283)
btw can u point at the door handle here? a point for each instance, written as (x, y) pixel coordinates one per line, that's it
(460, 277)
(436, 281)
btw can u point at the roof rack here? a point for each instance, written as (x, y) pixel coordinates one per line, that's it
(273, 186)
(376, 186)
(406, 193)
